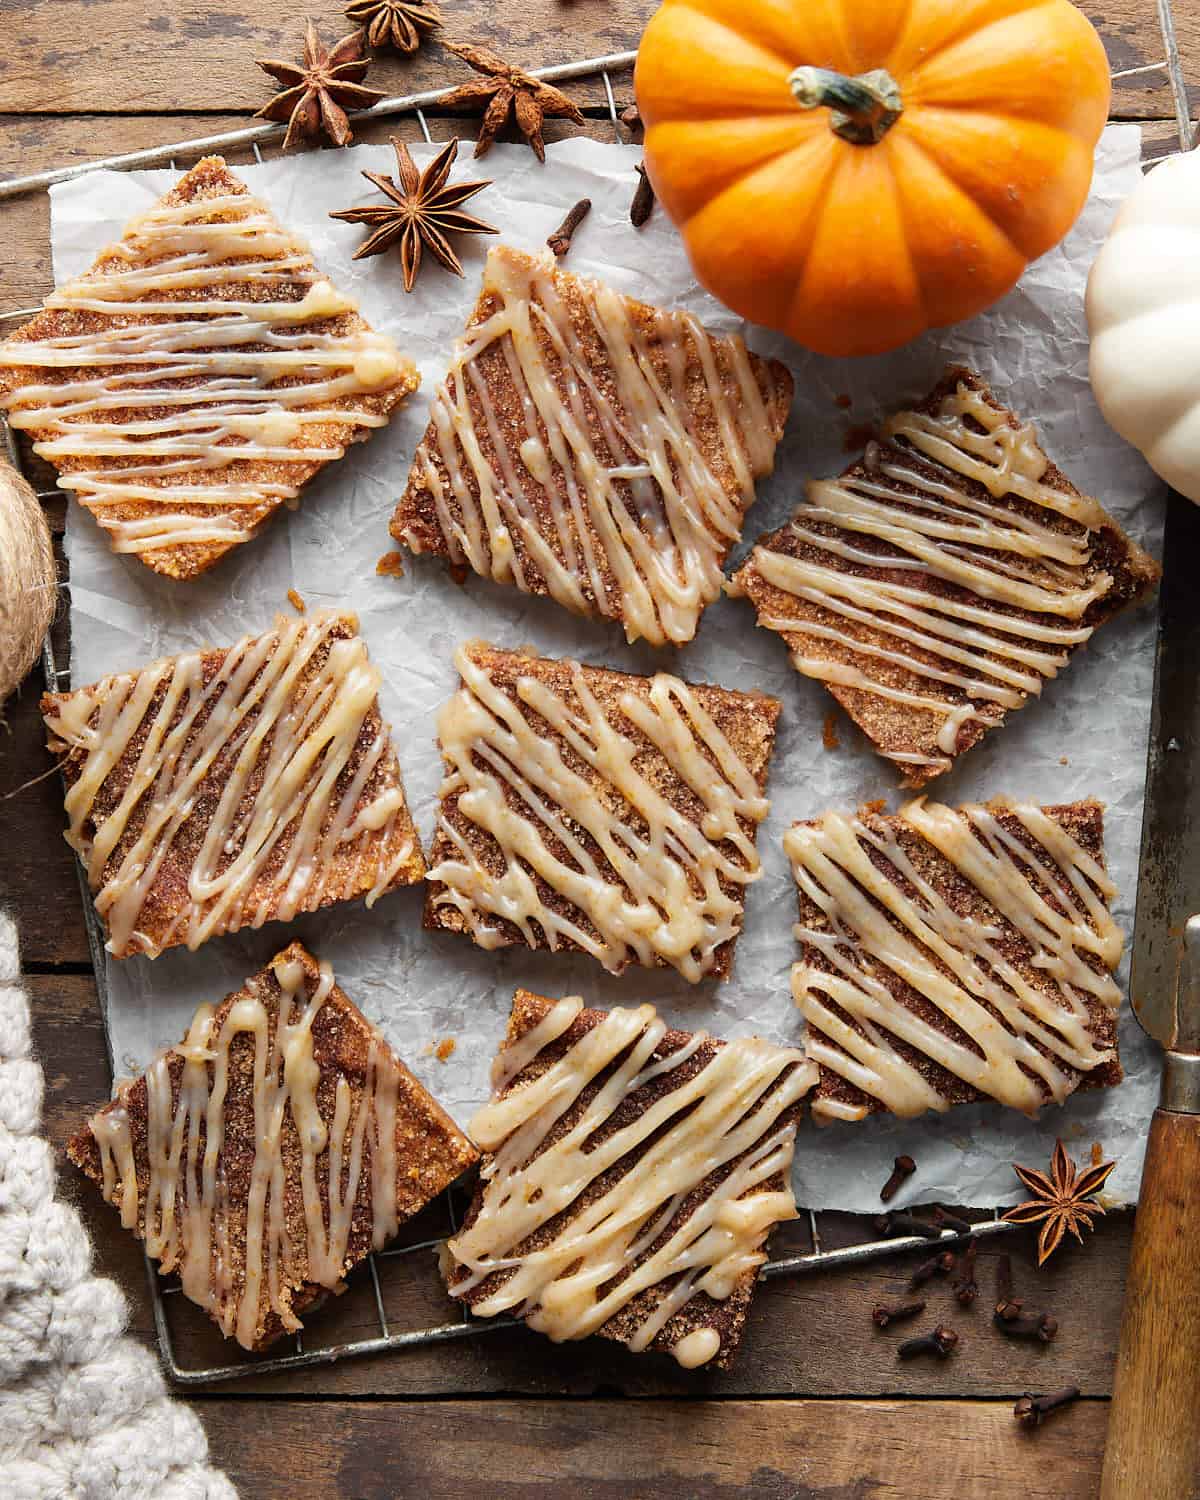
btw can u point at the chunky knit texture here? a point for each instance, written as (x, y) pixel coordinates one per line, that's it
(84, 1412)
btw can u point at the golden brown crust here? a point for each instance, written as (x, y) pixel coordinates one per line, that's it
(1084, 821)
(727, 1317)
(904, 728)
(348, 876)
(747, 720)
(431, 1151)
(210, 178)
(416, 523)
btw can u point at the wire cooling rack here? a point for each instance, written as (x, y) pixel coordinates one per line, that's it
(382, 1266)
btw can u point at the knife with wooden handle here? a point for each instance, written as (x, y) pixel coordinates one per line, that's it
(1153, 1450)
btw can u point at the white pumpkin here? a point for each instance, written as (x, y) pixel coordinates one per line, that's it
(1143, 310)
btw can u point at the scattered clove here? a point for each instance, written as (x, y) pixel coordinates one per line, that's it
(938, 1265)
(882, 1313)
(1040, 1326)
(631, 117)
(944, 1219)
(902, 1223)
(939, 1342)
(966, 1288)
(902, 1169)
(1030, 1410)
(560, 241)
(1008, 1307)
(643, 199)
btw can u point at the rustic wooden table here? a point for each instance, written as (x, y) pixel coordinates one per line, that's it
(819, 1404)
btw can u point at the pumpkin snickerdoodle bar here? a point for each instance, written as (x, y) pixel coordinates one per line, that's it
(271, 1150)
(598, 811)
(198, 375)
(633, 1174)
(593, 448)
(941, 581)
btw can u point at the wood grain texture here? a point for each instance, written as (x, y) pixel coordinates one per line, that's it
(1154, 1436)
(619, 1450)
(74, 55)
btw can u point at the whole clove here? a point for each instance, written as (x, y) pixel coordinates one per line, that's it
(902, 1169)
(1030, 1410)
(883, 1313)
(902, 1223)
(643, 199)
(944, 1219)
(940, 1342)
(938, 1265)
(560, 241)
(966, 1288)
(1008, 1307)
(1040, 1326)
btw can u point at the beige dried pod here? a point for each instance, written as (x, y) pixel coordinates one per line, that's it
(28, 581)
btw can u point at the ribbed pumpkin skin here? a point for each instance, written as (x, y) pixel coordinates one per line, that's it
(855, 249)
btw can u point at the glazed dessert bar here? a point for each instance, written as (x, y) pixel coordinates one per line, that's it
(596, 810)
(269, 1152)
(594, 449)
(952, 954)
(227, 788)
(198, 376)
(632, 1176)
(942, 580)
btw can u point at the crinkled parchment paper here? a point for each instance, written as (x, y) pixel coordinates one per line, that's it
(1086, 736)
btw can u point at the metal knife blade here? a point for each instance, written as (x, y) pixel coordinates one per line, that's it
(1165, 992)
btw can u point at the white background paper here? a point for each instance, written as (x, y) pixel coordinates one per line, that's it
(1087, 736)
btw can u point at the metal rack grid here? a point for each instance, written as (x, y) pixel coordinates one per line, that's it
(162, 1291)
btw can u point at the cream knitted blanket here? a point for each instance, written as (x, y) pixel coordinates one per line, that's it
(84, 1412)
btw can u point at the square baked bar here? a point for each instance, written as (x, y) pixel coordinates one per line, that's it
(944, 578)
(632, 1176)
(269, 1152)
(952, 954)
(596, 810)
(198, 375)
(592, 448)
(227, 788)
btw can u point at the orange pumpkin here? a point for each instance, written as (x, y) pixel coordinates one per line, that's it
(853, 172)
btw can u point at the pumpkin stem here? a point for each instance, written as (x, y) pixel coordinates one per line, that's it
(863, 109)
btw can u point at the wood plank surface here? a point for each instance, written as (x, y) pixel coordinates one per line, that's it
(81, 78)
(622, 1450)
(74, 55)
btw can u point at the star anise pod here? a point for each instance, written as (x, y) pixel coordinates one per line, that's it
(420, 212)
(314, 94)
(509, 90)
(1061, 1200)
(399, 22)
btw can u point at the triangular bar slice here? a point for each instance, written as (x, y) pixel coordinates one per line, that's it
(198, 376)
(953, 954)
(632, 1176)
(592, 448)
(274, 1148)
(600, 811)
(943, 579)
(227, 788)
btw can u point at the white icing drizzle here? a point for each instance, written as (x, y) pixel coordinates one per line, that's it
(256, 749)
(986, 658)
(187, 1206)
(729, 1115)
(635, 527)
(204, 363)
(661, 887)
(895, 922)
